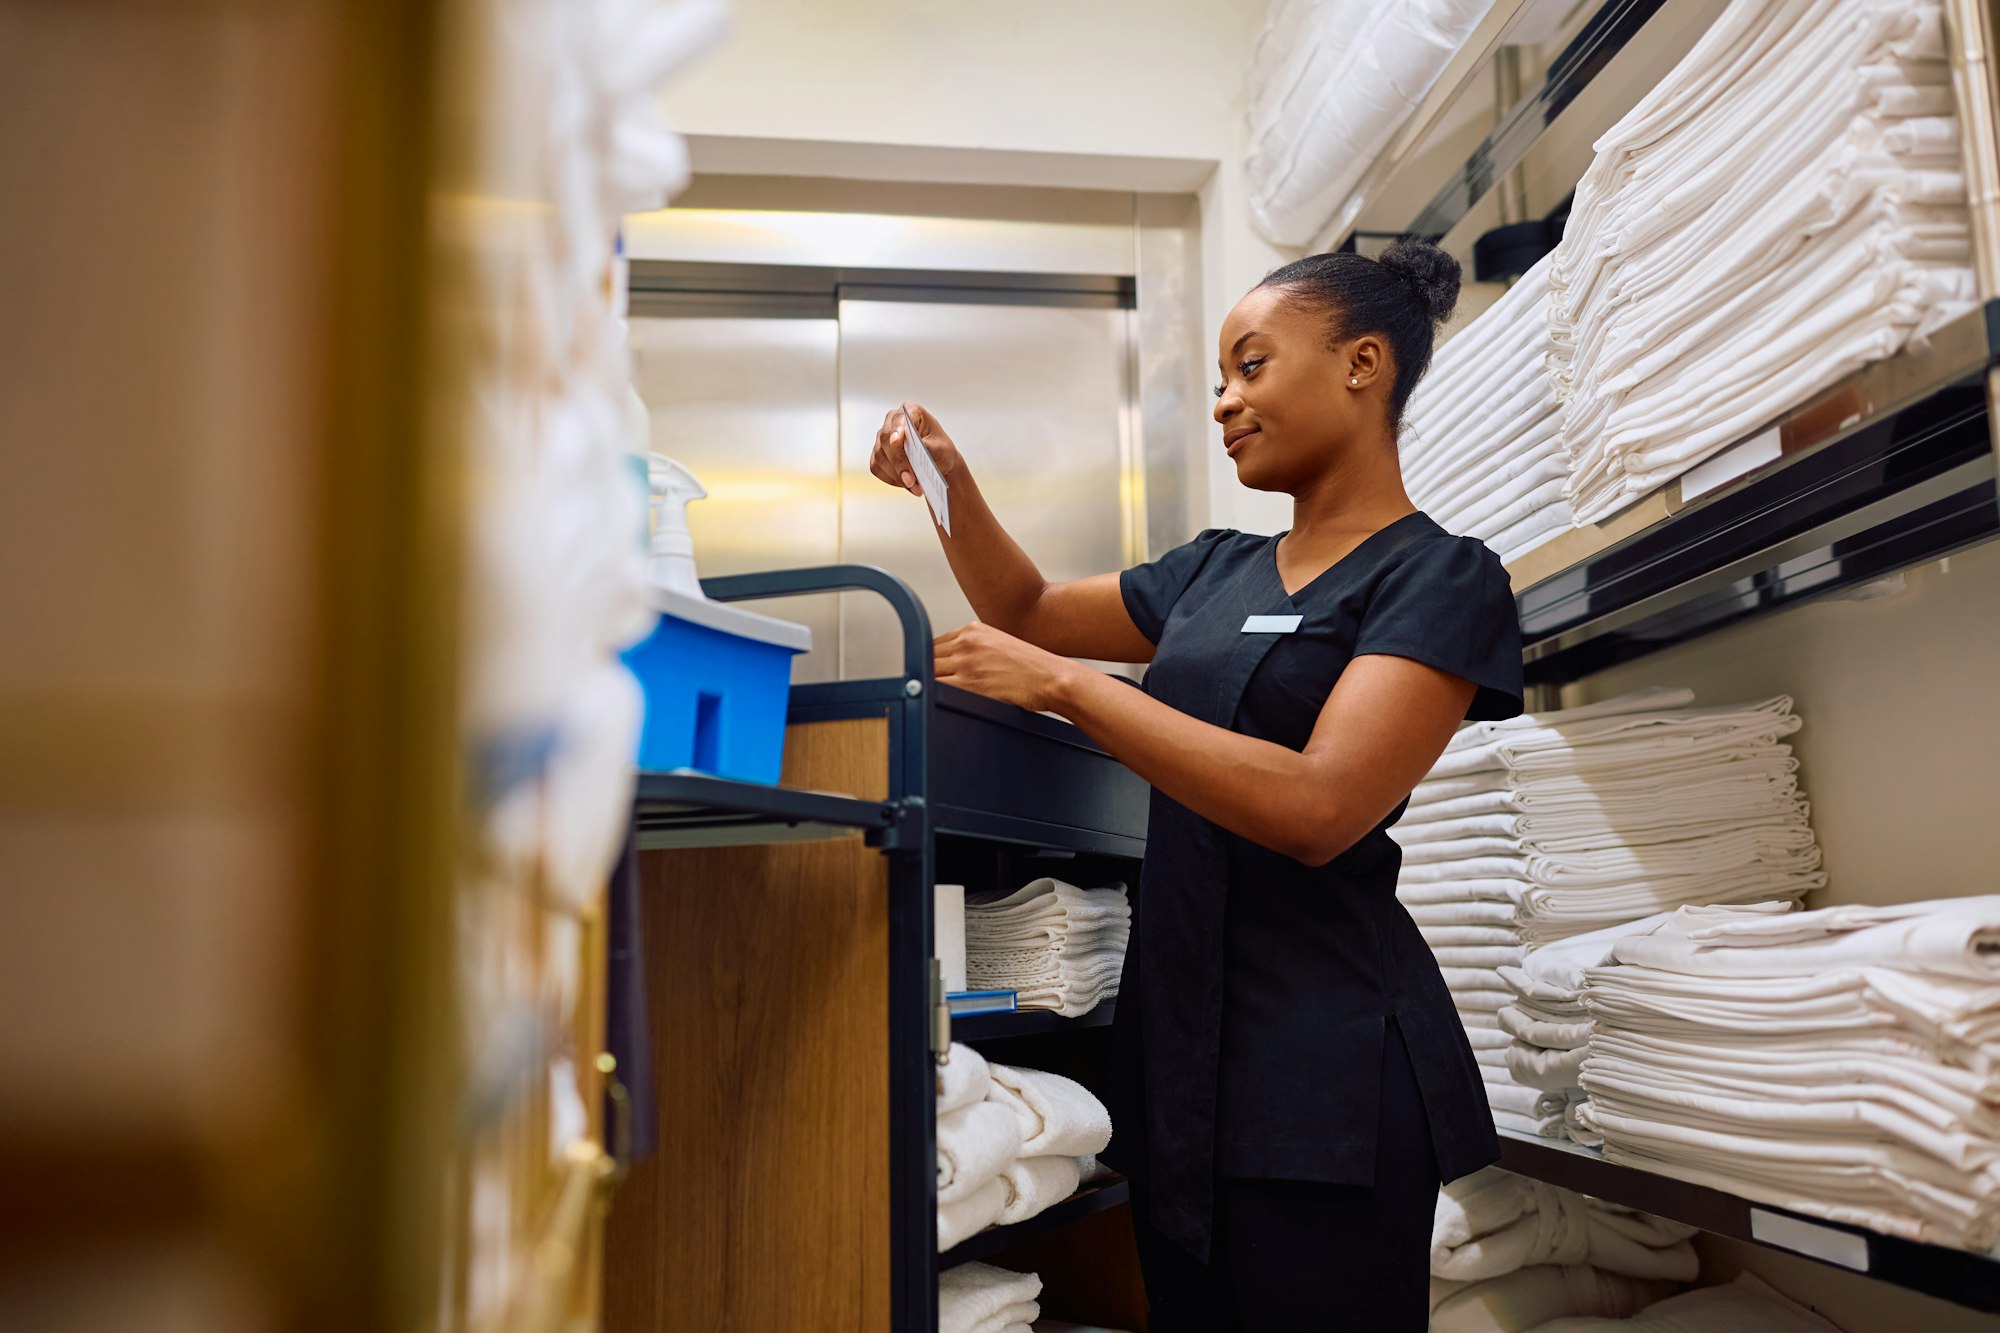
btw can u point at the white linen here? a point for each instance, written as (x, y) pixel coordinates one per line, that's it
(968, 1216)
(1746, 1305)
(961, 1079)
(1953, 936)
(1054, 1116)
(1493, 1222)
(1037, 1183)
(1543, 840)
(1330, 83)
(1782, 208)
(1055, 945)
(1530, 1296)
(974, 1144)
(1788, 1057)
(978, 1298)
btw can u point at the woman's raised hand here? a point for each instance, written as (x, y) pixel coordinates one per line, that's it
(890, 460)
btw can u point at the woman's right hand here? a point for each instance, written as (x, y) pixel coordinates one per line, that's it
(890, 460)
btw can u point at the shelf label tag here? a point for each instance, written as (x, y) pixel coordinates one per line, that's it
(1736, 461)
(1827, 1244)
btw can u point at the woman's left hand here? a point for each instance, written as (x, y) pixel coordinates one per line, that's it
(996, 664)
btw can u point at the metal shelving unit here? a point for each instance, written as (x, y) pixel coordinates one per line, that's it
(1958, 1276)
(1892, 466)
(960, 767)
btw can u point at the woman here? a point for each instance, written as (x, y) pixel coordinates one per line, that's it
(1293, 1081)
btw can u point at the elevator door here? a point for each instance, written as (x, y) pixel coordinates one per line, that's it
(773, 402)
(1035, 396)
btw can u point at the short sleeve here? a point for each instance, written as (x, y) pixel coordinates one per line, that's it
(1449, 605)
(1150, 590)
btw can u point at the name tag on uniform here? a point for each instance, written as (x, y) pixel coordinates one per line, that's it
(1271, 624)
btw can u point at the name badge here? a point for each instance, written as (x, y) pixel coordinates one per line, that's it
(1271, 624)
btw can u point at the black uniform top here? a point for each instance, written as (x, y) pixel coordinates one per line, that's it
(1258, 991)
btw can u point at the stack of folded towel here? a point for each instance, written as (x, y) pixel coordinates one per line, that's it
(1508, 1253)
(1057, 946)
(1786, 206)
(1843, 1062)
(977, 1298)
(1547, 1021)
(1552, 825)
(1482, 446)
(1746, 1305)
(1010, 1142)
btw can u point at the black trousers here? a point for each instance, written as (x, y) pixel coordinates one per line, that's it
(1293, 1256)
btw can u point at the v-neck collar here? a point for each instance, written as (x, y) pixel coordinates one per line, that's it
(1278, 574)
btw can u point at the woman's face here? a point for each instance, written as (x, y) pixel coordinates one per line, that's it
(1288, 403)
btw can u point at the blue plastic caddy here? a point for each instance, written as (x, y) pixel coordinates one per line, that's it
(717, 680)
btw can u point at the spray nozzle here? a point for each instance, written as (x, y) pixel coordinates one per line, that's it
(672, 561)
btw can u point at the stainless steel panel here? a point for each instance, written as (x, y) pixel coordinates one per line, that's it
(1038, 399)
(749, 405)
(1173, 349)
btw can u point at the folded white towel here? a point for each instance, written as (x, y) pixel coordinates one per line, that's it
(1528, 1296)
(1532, 1103)
(963, 1218)
(974, 1145)
(977, 1298)
(1553, 1036)
(962, 1079)
(1493, 1222)
(1548, 1070)
(1054, 1116)
(1036, 1183)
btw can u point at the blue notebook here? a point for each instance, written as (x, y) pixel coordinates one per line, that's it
(981, 1002)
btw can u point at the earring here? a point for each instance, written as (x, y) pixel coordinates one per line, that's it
(1355, 382)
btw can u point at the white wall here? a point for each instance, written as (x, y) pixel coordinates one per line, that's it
(1137, 95)
(1120, 78)
(1900, 753)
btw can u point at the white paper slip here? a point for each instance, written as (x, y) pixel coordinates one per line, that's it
(1271, 624)
(928, 476)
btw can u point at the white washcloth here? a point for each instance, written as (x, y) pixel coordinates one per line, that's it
(1036, 1183)
(974, 1145)
(978, 1298)
(1054, 1116)
(962, 1079)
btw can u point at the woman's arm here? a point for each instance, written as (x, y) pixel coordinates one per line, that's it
(1085, 618)
(1383, 727)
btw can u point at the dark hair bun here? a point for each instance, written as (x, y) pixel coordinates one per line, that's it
(1430, 271)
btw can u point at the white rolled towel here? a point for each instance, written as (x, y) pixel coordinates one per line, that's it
(967, 1217)
(1035, 1184)
(1057, 1116)
(962, 1079)
(974, 1145)
(978, 1298)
